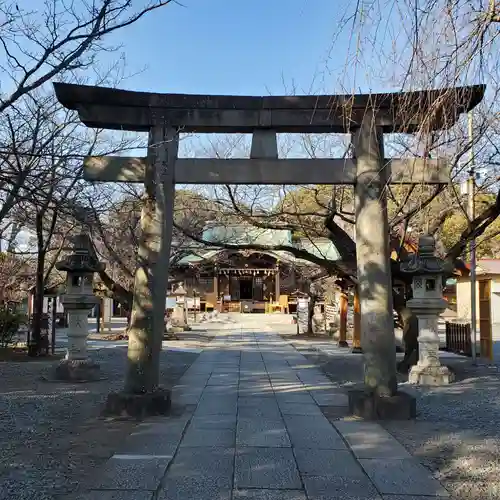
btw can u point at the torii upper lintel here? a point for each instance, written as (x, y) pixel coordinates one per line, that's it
(109, 108)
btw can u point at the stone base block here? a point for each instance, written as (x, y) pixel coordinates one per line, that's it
(343, 343)
(149, 404)
(369, 406)
(356, 350)
(430, 375)
(77, 370)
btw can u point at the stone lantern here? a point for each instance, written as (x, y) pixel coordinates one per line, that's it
(78, 301)
(427, 304)
(179, 315)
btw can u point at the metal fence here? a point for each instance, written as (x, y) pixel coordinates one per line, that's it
(458, 338)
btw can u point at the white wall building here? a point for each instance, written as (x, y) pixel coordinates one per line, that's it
(487, 295)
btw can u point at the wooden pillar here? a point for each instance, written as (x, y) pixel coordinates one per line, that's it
(343, 304)
(356, 336)
(373, 258)
(153, 259)
(277, 284)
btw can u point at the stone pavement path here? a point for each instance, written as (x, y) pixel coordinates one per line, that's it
(253, 428)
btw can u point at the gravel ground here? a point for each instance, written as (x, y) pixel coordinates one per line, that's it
(457, 430)
(51, 434)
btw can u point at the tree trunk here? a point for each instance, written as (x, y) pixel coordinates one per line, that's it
(116, 291)
(409, 323)
(310, 314)
(35, 347)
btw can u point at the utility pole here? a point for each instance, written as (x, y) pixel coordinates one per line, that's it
(472, 246)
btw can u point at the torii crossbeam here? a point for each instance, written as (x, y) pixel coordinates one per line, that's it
(367, 117)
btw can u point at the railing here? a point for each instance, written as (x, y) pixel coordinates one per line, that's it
(458, 338)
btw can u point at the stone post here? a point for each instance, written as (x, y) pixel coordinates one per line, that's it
(427, 304)
(343, 304)
(107, 313)
(78, 301)
(142, 394)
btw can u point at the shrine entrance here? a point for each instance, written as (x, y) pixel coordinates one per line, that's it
(365, 116)
(246, 288)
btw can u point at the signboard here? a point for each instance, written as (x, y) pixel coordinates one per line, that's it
(302, 315)
(227, 298)
(330, 314)
(193, 302)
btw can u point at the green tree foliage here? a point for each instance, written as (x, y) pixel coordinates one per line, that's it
(10, 322)
(487, 245)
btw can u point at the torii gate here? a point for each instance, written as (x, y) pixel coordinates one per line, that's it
(367, 117)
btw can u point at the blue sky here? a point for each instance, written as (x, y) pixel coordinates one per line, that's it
(234, 47)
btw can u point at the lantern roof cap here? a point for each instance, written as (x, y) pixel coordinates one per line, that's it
(83, 257)
(425, 260)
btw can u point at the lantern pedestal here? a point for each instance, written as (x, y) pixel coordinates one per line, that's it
(430, 375)
(428, 370)
(77, 366)
(178, 319)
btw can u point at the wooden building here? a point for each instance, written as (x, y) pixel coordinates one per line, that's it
(247, 280)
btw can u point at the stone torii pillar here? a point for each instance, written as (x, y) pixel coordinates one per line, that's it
(373, 258)
(142, 393)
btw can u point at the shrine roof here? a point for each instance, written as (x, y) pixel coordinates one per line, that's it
(139, 111)
(322, 248)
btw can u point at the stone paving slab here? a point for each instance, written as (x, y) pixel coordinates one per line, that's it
(336, 488)
(290, 397)
(220, 391)
(402, 476)
(269, 495)
(159, 438)
(213, 422)
(262, 432)
(199, 473)
(272, 468)
(313, 462)
(216, 406)
(300, 409)
(133, 472)
(313, 432)
(329, 398)
(256, 390)
(116, 495)
(370, 440)
(260, 411)
(197, 437)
